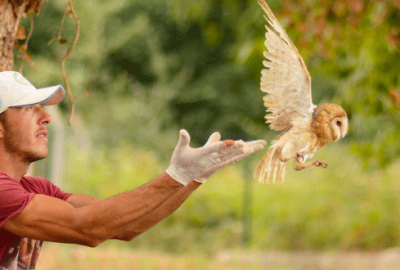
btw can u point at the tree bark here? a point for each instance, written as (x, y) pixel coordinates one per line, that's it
(11, 12)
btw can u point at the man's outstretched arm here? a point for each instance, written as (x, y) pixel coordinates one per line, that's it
(148, 221)
(159, 214)
(50, 219)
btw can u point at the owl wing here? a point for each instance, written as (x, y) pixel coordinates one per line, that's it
(285, 79)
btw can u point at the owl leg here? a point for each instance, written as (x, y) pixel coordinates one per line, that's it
(299, 164)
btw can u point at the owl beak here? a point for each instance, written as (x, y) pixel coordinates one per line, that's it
(343, 131)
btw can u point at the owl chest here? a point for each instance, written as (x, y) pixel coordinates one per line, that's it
(306, 149)
(305, 144)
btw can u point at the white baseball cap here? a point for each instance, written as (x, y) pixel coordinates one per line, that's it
(16, 91)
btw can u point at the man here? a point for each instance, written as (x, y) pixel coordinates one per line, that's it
(33, 210)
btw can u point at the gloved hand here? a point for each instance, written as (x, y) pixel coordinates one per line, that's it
(189, 163)
(248, 148)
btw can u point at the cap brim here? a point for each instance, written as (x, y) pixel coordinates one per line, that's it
(46, 96)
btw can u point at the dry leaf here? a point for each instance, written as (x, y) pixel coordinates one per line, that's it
(63, 40)
(394, 96)
(21, 33)
(23, 48)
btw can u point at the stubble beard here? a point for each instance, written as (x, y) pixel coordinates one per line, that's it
(12, 147)
(12, 144)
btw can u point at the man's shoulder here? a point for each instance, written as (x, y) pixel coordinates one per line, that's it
(39, 185)
(5, 179)
(28, 183)
(25, 179)
(35, 179)
(4, 176)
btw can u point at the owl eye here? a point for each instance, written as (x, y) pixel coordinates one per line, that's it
(338, 123)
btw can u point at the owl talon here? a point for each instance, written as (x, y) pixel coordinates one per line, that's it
(320, 163)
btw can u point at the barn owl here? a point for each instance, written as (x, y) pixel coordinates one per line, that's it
(305, 127)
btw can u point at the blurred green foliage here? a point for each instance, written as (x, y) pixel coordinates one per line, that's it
(153, 67)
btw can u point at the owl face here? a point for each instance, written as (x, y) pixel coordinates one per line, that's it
(339, 127)
(329, 123)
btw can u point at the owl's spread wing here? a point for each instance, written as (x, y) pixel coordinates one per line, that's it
(285, 79)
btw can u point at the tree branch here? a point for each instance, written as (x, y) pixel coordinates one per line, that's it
(69, 10)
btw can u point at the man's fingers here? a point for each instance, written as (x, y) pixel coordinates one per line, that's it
(212, 148)
(251, 143)
(242, 144)
(220, 165)
(215, 137)
(232, 152)
(184, 137)
(236, 155)
(248, 148)
(227, 149)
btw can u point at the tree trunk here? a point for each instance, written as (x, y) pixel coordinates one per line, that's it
(11, 12)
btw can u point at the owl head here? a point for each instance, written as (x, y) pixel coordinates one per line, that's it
(329, 123)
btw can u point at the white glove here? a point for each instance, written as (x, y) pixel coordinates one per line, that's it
(248, 148)
(189, 163)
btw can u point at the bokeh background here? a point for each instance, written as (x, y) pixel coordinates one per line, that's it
(142, 70)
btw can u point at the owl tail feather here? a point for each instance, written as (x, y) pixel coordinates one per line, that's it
(271, 167)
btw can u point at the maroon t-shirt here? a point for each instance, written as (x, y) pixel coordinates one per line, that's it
(17, 253)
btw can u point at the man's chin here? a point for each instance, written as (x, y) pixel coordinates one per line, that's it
(37, 157)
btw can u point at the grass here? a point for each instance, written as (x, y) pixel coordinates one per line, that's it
(66, 257)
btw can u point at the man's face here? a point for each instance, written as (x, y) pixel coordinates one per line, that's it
(24, 133)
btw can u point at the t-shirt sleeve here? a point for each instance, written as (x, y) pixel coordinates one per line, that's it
(41, 185)
(13, 199)
(57, 192)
